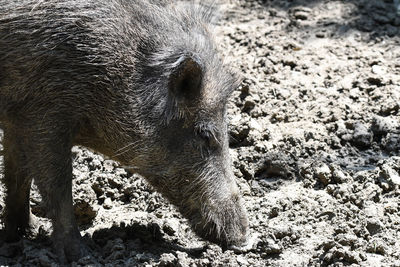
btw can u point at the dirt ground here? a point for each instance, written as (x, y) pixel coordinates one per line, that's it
(315, 141)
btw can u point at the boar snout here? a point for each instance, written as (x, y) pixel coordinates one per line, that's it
(223, 222)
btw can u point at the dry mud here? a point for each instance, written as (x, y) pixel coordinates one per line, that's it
(315, 143)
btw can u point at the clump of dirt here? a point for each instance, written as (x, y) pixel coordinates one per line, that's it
(315, 141)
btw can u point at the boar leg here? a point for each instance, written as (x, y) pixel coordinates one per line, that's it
(17, 214)
(50, 163)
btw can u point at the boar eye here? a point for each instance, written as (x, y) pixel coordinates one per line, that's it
(208, 134)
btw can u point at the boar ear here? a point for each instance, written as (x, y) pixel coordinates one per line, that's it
(185, 80)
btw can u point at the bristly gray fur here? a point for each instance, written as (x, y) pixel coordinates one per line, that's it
(102, 74)
(159, 44)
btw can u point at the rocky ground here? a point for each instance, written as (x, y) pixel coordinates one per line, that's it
(315, 141)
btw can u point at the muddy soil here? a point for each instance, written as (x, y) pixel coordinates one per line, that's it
(315, 141)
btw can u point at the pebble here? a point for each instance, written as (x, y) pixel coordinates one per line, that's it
(323, 173)
(242, 260)
(254, 125)
(374, 226)
(107, 203)
(171, 226)
(383, 125)
(376, 69)
(362, 137)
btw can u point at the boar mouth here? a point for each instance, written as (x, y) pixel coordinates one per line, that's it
(226, 226)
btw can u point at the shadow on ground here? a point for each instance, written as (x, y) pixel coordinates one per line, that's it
(377, 17)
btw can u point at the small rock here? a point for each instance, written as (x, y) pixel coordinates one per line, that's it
(242, 260)
(389, 175)
(109, 165)
(248, 173)
(391, 142)
(384, 125)
(284, 93)
(372, 210)
(362, 138)
(347, 239)
(323, 173)
(289, 61)
(248, 105)
(274, 212)
(204, 262)
(182, 260)
(238, 133)
(271, 247)
(347, 82)
(171, 226)
(339, 176)
(95, 164)
(374, 80)
(374, 226)
(107, 203)
(260, 16)
(376, 69)
(282, 231)
(327, 245)
(245, 89)
(251, 243)
(254, 125)
(168, 260)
